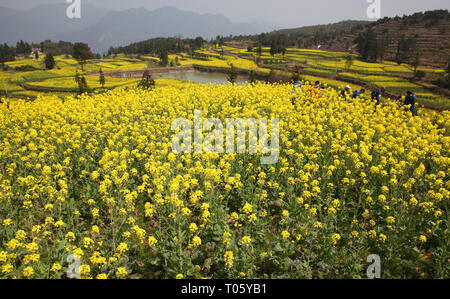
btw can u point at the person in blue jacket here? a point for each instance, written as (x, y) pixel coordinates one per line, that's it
(297, 84)
(345, 91)
(358, 93)
(378, 95)
(411, 100)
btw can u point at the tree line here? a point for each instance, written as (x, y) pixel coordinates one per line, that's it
(79, 51)
(157, 46)
(373, 48)
(304, 37)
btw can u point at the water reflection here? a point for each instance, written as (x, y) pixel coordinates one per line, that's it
(202, 77)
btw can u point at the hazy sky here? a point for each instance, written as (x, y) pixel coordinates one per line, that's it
(285, 13)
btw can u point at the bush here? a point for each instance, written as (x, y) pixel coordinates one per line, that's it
(82, 83)
(49, 62)
(419, 75)
(147, 81)
(25, 68)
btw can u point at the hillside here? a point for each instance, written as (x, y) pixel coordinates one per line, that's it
(334, 28)
(303, 37)
(430, 30)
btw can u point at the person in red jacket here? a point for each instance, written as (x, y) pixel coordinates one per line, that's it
(314, 90)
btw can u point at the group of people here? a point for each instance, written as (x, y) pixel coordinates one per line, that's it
(299, 84)
(376, 95)
(356, 94)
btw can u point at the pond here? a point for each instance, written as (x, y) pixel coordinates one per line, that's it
(201, 77)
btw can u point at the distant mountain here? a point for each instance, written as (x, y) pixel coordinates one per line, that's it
(123, 27)
(102, 28)
(44, 22)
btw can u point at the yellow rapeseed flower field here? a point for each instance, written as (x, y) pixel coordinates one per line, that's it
(94, 179)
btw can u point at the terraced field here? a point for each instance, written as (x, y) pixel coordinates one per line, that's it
(327, 67)
(326, 64)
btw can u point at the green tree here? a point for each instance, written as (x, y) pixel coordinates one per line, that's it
(348, 61)
(384, 43)
(296, 75)
(405, 49)
(147, 81)
(49, 62)
(448, 73)
(419, 75)
(48, 46)
(101, 79)
(198, 42)
(448, 68)
(259, 50)
(6, 54)
(164, 58)
(82, 83)
(273, 48)
(368, 45)
(82, 53)
(23, 48)
(232, 75)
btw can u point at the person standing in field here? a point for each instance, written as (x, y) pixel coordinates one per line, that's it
(313, 91)
(345, 91)
(378, 95)
(411, 100)
(358, 93)
(316, 87)
(297, 84)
